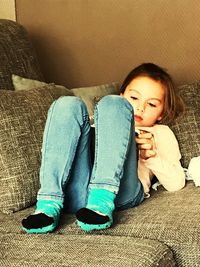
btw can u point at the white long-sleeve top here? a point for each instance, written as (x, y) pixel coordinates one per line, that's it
(165, 165)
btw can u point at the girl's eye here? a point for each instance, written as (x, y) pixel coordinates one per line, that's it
(152, 105)
(134, 97)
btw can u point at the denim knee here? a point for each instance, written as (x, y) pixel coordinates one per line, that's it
(71, 106)
(113, 103)
(70, 103)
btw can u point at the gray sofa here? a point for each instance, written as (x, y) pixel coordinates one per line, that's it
(163, 231)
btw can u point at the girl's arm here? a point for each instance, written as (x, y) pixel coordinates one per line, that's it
(165, 164)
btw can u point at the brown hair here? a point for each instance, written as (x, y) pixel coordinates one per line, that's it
(173, 104)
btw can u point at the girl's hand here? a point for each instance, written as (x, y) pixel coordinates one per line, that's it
(146, 144)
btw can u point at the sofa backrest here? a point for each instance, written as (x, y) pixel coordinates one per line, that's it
(17, 55)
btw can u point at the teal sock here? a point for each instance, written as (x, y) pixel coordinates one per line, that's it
(98, 213)
(45, 219)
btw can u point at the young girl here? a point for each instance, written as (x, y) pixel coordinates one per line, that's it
(117, 179)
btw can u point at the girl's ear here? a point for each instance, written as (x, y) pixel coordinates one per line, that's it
(160, 117)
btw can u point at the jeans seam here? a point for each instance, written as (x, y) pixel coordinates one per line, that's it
(96, 139)
(84, 119)
(45, 148)
(84, 116)
(123, 156)
(126, 142)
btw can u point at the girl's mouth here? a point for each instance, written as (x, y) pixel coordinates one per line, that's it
(138, 118)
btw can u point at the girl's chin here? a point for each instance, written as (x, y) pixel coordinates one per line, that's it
(137, 124)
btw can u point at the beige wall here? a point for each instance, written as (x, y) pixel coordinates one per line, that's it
(7, 9)
(87, 42)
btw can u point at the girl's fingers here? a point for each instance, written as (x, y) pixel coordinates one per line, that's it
(142, 141)
(145, 146)
(145, 141)
(145, 135)
(145, 154)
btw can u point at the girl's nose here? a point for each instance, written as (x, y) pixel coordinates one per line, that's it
(140, 108)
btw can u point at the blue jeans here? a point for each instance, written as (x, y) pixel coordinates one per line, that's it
(67, 171)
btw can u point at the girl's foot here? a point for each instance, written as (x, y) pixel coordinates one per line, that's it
(98, 213)
(45, 219)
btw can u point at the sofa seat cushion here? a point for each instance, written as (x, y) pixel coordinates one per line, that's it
(171, 218)
(72, 250)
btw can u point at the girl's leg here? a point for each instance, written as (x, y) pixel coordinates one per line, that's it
(131, 192)
(67, 127)
(115, 151)
(76, 189)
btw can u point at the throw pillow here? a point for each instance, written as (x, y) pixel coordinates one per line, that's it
(21, 83)
(22, 119)
(187, 127)
(91, 95)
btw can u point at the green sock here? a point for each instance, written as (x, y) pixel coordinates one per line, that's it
(45, 219)
(98, 213)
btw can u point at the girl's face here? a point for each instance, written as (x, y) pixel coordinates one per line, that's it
(147, 98)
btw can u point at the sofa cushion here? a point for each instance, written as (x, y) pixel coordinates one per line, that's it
(171, 218)
(70, 250)
(16, 54)
(91, 95)
(22, 120)
(21, 83)
(187, 127)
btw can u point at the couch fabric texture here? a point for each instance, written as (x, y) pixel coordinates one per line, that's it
(169, 218)
(22, 120)
(187, 127)
(17, 54)
(91, 251)
(163, 231)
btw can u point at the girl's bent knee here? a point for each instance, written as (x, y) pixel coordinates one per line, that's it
(114, 101)
(70, 104)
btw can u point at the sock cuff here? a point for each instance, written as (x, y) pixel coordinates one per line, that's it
(102, 192)
(101, 200)
(51, 208)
